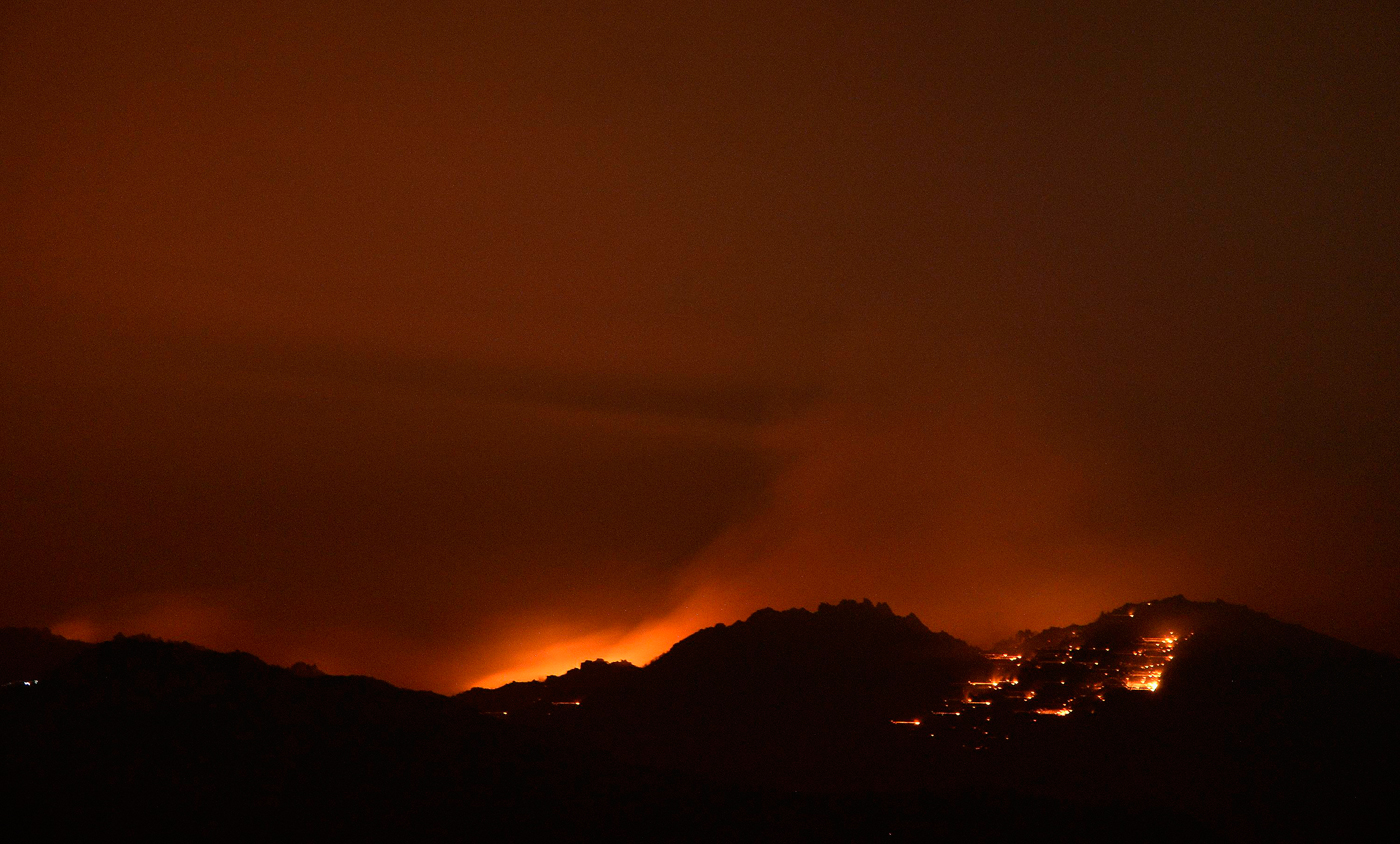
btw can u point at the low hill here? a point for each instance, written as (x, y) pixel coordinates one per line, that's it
(834, 724)
(1247, 723)
(1235, 663)
(794, 699)
(28, 654)
(178, 741)
(1260, 722)
(852, 664)
(570, 688)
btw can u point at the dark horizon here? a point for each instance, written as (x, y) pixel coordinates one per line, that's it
(439, 344)
(1022, 634)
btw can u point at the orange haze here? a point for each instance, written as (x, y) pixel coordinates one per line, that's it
(454, 343)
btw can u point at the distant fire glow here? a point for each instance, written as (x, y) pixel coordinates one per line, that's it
(1069, 672)
(1154, 654)
(551, 649)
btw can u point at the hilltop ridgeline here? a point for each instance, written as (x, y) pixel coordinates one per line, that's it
(1169, 713)
(838, 659)
(28, 654)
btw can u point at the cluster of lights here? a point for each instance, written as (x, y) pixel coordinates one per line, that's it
(994, 684)
(1138, 668)
(1150, 678)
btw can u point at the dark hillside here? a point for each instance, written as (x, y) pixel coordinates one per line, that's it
(792, 699)
(172, 736)
(28, 654)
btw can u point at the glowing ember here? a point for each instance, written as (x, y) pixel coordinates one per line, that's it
(1155, 653)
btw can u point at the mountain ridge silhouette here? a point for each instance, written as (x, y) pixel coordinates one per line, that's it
(777, 725)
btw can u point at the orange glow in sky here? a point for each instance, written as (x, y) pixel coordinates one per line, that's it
(455, 345)
(559, 650)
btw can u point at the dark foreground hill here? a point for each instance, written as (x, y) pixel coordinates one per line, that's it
(148, 733)
(170, 740)
(1267, 728)
(1253, 726)
(794, 700)
(848, 723)
(28, 654)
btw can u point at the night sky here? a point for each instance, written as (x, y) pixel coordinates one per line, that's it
(454, 344)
